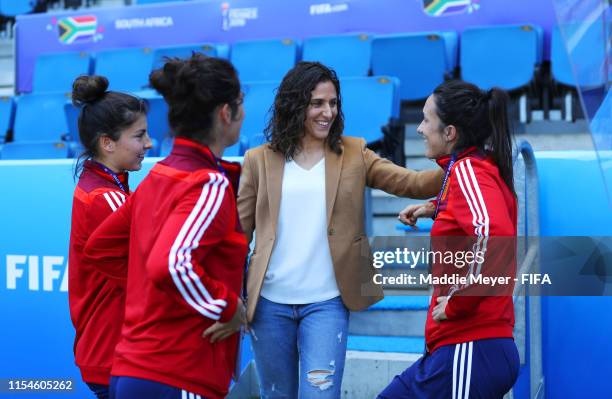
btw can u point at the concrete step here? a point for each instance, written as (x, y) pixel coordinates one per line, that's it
(388, 204)
(419, 162)
(386, 344)
(414, 147)
(366, 374)
(396, 316)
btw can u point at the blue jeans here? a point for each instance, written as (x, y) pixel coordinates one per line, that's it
(300, 349)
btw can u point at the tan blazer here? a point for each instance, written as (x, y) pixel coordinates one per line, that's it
(346, 176)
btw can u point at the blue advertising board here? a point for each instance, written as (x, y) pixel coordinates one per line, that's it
(221, 21)
(36, 337)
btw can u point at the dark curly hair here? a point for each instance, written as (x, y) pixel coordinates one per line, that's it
(285, 128)
(193, 88)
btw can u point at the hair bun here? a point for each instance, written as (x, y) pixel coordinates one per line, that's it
(88, 89)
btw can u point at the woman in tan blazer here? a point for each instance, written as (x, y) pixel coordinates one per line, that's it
(302, 194)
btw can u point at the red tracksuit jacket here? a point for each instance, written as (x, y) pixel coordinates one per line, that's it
(96, 303)
(475, 203)
(179, 239)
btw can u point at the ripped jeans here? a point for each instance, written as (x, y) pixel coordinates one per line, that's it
(300, 349)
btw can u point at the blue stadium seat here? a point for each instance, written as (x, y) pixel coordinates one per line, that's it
(157, 117)
(348, 55)
(34, 150)
(257, 140)
(166, 147)
(587, 55)
(258, 100)
(40, 117)
(139, 2)
(181, 52)
(264, 60)
(72, 119)
(12, 8)
(505, 56)
(367, 104)
(238, 149)
(133, 75)
(6, 116)
(55, 72)
(420, 61)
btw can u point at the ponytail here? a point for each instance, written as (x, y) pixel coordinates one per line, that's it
(501, 139)
(481, 120)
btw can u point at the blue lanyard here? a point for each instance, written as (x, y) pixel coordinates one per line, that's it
(113, 175)
(448, 170)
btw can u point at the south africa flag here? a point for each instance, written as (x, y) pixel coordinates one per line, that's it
(77, 29)
(437, 8)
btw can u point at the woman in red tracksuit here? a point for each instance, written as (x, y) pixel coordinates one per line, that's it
(470, 351)
(179, 240)
(113, 133)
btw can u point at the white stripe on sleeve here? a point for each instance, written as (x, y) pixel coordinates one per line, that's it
(468, 193)
(481, 201)
(179, 260)
(116, 198)
(121, 196)
(111, 203)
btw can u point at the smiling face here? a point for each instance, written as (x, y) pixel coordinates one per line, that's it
(129, 151)
(321, 111)
(432, 130)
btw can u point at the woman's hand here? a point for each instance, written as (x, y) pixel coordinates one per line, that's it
(439, 311)
(411, 213)
(220, 331)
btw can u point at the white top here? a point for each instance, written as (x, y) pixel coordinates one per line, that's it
(300, 269)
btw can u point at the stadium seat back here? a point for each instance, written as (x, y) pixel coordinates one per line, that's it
(264, 60)
(57, 71)
(12, 8)
(181, 52)
(6, 116)
(367, 104)
(40, 117)
(238, 149)
(587, 55)
(133, 75)
(421, 61)
(35, 150)
(139, 2)
(257, 140)
(349, 55)
(157, 117)
(504, 56)
(258, 100)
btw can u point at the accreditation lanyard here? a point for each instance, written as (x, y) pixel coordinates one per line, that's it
(444, 183)
(112, 174)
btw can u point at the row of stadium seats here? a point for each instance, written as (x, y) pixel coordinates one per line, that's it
(368, 104)
(504, 56)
